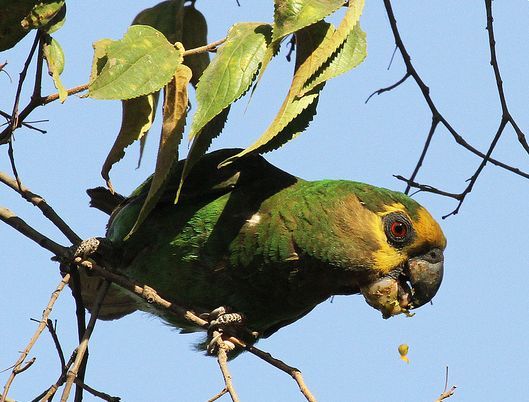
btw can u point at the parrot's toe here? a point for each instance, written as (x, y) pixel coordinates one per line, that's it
(224, 324)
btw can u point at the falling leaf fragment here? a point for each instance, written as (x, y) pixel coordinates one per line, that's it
(403, 352)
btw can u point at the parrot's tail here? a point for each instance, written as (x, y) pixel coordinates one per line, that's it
(117, 302)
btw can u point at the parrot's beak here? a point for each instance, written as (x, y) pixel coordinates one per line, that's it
(408, 288)
(425, 276)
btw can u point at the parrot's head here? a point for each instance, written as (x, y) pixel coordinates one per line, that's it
(396, 243)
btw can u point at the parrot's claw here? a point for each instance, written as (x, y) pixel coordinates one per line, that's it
(224, 324)
(92, 248)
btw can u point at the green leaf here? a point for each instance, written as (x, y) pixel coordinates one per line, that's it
(140, 63)
(100, 57)
(54, 56)
(174, 114)
(166, 17)
(293, 15)
(297, 111)
(57, 21)
(325, 53)
(231, 72)
(137, 117)
(42, 14)
(352, 52)
(11, 15)
(201, 144)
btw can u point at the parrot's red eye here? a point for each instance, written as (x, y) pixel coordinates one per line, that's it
(398, 228)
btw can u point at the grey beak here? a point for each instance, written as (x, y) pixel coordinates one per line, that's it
(425, 276)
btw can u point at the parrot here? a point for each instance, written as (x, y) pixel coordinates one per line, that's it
(268, 245)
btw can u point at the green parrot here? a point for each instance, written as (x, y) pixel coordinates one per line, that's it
(269, 245)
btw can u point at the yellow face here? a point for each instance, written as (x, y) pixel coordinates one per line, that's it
(409, 260)
(426, 234)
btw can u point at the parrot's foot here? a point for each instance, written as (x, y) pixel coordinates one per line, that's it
(223, 325)
(94, 248)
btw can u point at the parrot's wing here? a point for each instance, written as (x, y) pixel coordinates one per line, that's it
(207, 180)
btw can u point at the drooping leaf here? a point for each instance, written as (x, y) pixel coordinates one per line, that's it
(166, 17)
(57, 21)
(195, 34)
(140, 63)
(42, 13)
(137, 118)
(231, 72)
(174, 114)
(297, 111)
(54, 56)
(201, 144)
(292, 15)
(325, 53)
(348, 56)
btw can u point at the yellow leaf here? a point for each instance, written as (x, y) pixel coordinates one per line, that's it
(403, 352)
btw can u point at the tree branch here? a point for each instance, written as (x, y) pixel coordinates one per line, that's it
(499, 82)
(436, 115)
(43, 322)
(83, 345)
(41, 204)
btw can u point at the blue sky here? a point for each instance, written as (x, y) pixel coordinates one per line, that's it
(346, 351)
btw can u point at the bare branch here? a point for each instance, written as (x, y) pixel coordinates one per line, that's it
(391, 87)
(40, 203)
(83, 346)
(425, 90)
(17, 368)
(499, 82)
(447, 393)
(21, 226)
(210, 47)
(267, 357)
(222, 358)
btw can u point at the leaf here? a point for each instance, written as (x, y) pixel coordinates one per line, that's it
(42, 14)
(140, 63)
(19, 17)
(174, 114)
(195, 34)
(100, 57)
(352, 53)
(137, 117)
(292, 15)
(231, 72)
(166, 17)
(296, 112)
(201, 144)
(329, 48)
(57, 21)
(54, 56)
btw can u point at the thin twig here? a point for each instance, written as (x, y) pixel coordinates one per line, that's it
(41, 204)
(387, 89)
(47, 395)
(53, 333)
(267, 357)
(218, 396)
(21, 79)
(425, 90)
(83, 345)
(447, 393)
(499, 82)
(435, 122)
(21, 226)
(38, 332)
(210, 47)
(222, 358)
(95, 392)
